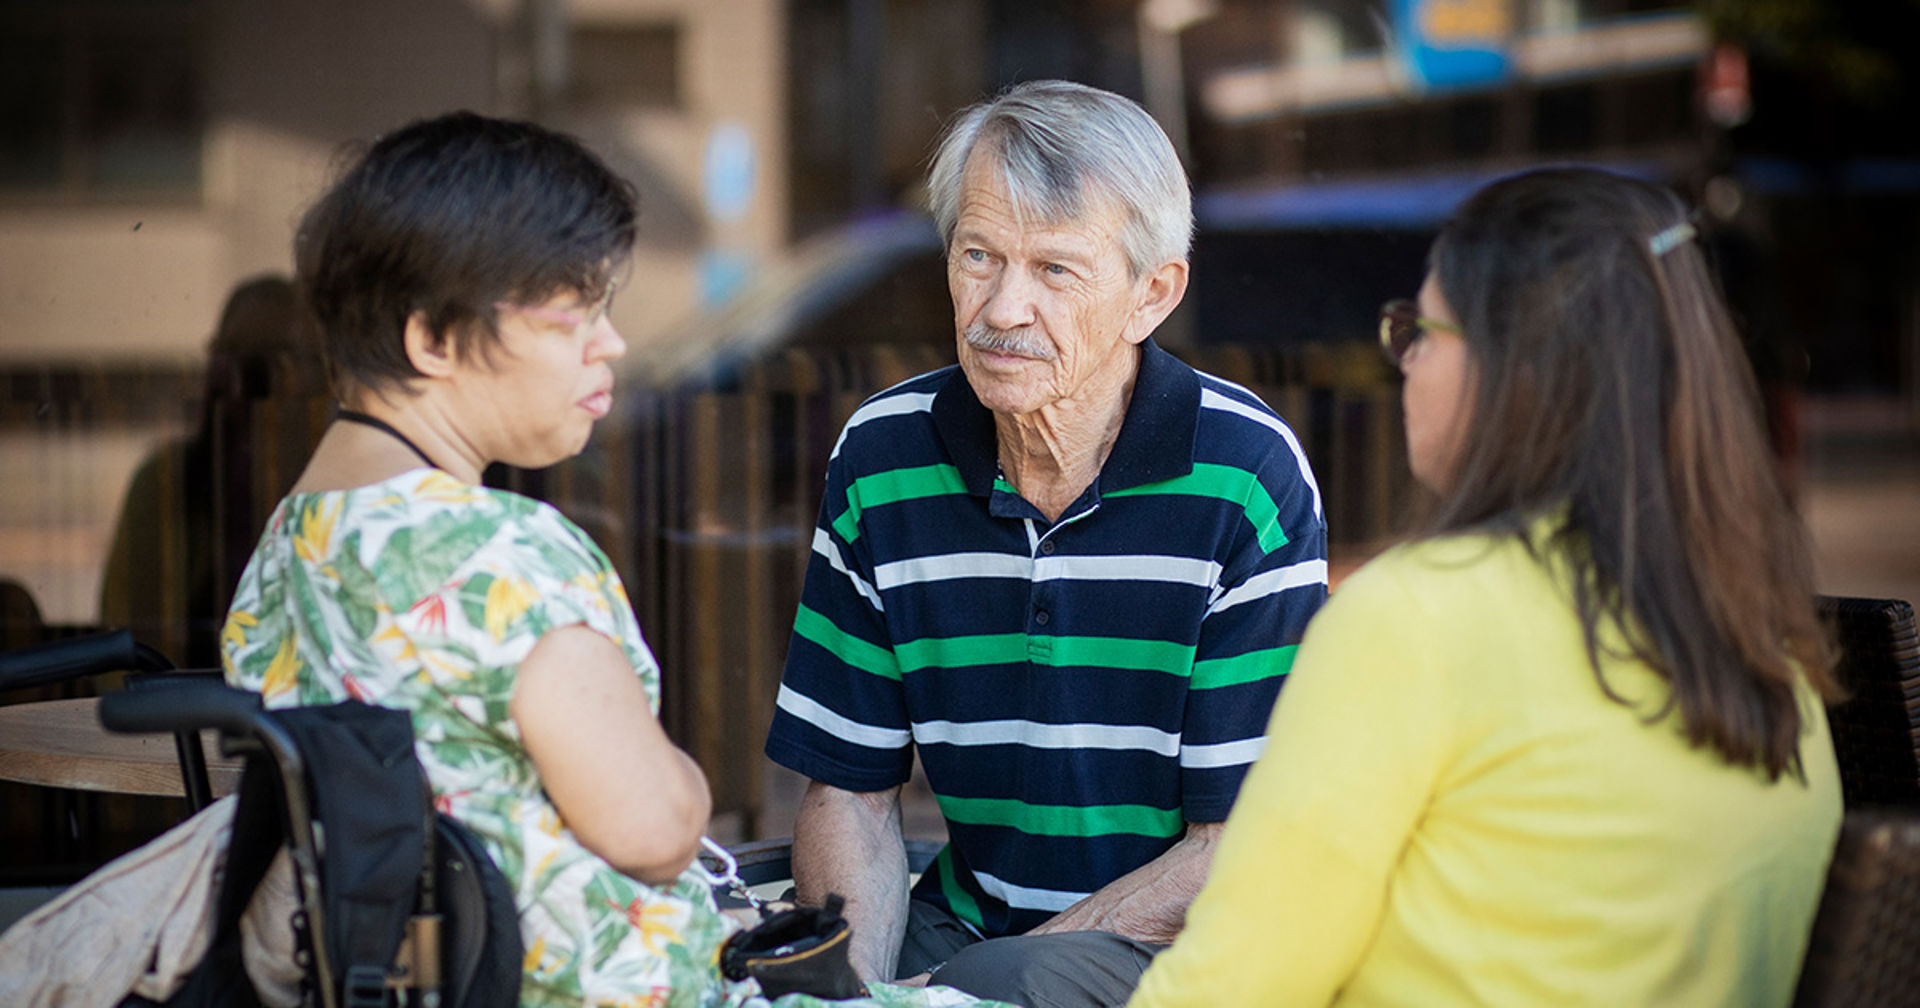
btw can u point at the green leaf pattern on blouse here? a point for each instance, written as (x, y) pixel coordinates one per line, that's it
(424, 593)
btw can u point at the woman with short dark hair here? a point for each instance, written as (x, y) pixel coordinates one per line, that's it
(460, 273)
(1568, 745)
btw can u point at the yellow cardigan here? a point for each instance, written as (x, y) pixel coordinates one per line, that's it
(1450, 812)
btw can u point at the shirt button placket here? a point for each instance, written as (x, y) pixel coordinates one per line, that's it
(1039, 645)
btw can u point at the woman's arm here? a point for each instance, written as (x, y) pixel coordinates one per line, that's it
(624, 789)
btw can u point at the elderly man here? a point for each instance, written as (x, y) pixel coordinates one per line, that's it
(1071, 572)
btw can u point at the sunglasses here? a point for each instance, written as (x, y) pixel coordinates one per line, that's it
(1402, 325)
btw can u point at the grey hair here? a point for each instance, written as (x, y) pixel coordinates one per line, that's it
(1058, 144)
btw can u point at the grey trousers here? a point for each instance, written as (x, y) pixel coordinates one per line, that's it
(1075, 969)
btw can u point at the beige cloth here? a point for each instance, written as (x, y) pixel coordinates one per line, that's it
(142, 922)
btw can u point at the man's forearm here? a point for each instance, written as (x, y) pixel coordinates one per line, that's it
(850, 843)
(1150, 903)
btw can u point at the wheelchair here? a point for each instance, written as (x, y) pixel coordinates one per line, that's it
(396, 904)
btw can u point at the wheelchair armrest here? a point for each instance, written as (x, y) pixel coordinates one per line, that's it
(73, 657)
(186, 706)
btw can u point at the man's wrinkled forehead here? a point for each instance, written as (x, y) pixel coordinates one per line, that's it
(1062, 201)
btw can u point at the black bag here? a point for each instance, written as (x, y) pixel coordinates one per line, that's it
(799, 950)
(393, 871)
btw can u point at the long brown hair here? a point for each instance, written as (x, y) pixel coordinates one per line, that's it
(1609, 382)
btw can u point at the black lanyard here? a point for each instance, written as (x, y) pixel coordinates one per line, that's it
(355, 416)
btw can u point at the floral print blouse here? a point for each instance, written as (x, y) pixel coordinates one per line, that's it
(424, 593)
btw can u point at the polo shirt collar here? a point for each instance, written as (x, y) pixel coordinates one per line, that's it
(1156, 436)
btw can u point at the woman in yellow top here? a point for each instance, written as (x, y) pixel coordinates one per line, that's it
(1568, 746)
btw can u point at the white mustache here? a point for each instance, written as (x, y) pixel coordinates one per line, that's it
(1025, 341)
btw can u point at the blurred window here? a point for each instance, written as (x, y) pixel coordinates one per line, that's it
(1562, 15)
(1327, 31)
(627, 65)
(100, 98)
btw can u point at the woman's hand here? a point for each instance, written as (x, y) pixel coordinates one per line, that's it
(625, 790)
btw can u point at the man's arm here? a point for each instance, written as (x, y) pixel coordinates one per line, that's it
(850, 843)
(1149, 903)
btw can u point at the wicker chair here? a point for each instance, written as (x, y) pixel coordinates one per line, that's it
(1876, 730)
(1865, 947)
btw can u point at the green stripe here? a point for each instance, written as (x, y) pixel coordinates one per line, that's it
(962, 652)
(1063, 820)
(1010, 649)
(1122, 652)
(845, 646)
(958, 898)
(1213, 673)
(891, 487)
(1227, 483)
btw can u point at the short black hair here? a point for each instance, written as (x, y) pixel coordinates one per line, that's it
(445, 217)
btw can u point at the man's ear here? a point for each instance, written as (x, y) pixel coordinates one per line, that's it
(1160, 295)
(430, 353)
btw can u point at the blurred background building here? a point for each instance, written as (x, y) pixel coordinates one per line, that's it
(155, 154)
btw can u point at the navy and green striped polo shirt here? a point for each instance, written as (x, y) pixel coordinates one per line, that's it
(1080, 690)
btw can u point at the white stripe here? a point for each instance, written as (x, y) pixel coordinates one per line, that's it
(1273, 582)
(1025, 897)
(824, 545)
(844, 729)
(1210, 399)
(948, 566)
(1195, 571)
(1131, 567)
(883, 405)
(1039, 735)
(1222, 754)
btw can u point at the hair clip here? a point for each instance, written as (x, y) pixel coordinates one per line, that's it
(1671, 238)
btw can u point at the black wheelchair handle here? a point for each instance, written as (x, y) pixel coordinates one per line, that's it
(72, 657)
(187, 706)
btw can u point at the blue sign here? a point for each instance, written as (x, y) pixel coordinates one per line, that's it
(727, 171)
(1454, 44)
(723, 275)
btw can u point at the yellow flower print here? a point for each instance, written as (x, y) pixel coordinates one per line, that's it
(653, 921)
(535, 954)
(234, 634)
(438, 486)
(594, 590)
(282, 671)
(402, 648)
(507, 599)
(432, 661)
(316, 530)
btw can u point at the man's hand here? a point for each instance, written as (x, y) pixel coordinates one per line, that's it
(1150, 903)
(850, 843)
